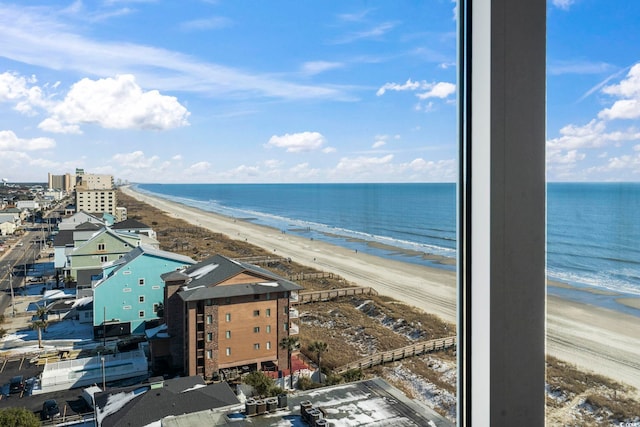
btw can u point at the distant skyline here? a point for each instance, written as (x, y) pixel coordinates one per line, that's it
(220, 91)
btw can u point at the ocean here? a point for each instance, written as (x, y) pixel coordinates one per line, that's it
(593, 229)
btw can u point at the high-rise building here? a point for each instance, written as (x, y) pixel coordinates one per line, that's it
(96, 194)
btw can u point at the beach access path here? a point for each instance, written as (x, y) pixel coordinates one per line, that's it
(596, 339)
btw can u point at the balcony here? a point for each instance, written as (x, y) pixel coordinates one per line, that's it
(293, 313)
(293, 296)
(199, 318)
(294, 329)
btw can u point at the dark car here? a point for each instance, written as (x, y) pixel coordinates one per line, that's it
(50, 409)
(16, 385)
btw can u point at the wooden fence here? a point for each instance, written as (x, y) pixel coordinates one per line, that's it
(317, 296)
(398, 354)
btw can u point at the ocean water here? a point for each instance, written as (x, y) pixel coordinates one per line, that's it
(593, 229)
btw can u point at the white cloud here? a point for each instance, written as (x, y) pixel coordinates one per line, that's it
(115, 103)
(328, 150)
(378, 144)
(22, 91)
(439, 90)
(212, 23)
(371, 33)
(629, 90)
(399, 87)
(317, 67)
(198, 167)
(358, 165)
(298, 142)
(136, 160)
(9, 141)
(34, 36)
(563, 4)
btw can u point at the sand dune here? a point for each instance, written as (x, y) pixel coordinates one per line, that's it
(596, 339)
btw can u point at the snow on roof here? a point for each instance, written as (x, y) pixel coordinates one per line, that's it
(270, 284)
(202, 271)
(56, 294)
(117, 401)
(81, 302)
(195, 387)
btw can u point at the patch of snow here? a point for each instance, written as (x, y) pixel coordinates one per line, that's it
(81, 302)
(202, 271)
(117, 401)
(271, 284)
(195, 387)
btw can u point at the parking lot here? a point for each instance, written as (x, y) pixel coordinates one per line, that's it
(70, 402)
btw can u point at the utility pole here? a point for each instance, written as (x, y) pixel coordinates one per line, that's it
(13, 304)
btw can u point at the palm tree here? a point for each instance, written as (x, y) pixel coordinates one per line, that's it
(290, 344)
(40, 324)
(318, 347)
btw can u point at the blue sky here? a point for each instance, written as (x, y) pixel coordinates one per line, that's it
(290, 91)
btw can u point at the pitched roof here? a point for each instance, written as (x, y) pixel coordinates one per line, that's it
(88, 226)
(145, 404)
(63, 238)
(128, 224)
(201, 280)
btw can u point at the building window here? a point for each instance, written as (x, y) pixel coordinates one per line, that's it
(141, 298)
(141, 313)
(209, 319)
(268, 312)
(286, 326)
(256, 329)
(256, 346)
(155, 307)
(268, 295)
(227, 317)
(268, 345)
(209, 303)
(141, 282)
(126, 307)
(101, 246)
(209, 354)
(228, 351)
(209, 336)
(104, 258)
(228, 334)
(285, 310)
(256, 296)
(256, 313)
(268, 329)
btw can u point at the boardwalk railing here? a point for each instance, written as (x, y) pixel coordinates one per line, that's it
(262, 260)
(316, 296)
(306, 276)
(398, 354)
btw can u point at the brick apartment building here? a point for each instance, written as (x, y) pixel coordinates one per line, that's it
(223, 314)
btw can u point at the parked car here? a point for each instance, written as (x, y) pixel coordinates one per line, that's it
(50, 410)
(16, 384)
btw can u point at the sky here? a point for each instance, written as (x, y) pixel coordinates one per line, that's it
(233, 91)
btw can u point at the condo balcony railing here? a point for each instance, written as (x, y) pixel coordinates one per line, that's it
(293, 313)
(294, 329)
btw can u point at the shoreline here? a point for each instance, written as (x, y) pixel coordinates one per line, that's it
(594, 338)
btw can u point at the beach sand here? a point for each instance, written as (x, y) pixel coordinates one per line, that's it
(593, 338)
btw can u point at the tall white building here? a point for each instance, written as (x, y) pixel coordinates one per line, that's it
(96, 194)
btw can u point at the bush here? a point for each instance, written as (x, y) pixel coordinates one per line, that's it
(18, 417)
(353, 375)
(262, 384)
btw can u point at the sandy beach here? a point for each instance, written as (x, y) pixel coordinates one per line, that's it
(593, 338)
